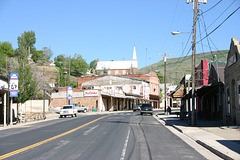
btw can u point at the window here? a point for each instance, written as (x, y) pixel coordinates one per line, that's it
(228, 102)
(134, 87)
(119, 87)
(124, 72)
(109, 72)
(232, 59)
(116, 72)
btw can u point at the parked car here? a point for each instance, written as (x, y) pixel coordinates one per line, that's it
(146, 109)
(137, 107)
(82, 108)
(68, 110)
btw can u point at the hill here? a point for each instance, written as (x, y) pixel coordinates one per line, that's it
(178, 67)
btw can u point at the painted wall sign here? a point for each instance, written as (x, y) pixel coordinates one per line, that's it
(90, 93)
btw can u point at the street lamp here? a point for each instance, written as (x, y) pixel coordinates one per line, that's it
(193, 70)
(177, 32)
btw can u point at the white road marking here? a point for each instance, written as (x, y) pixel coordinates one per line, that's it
(125, 146)
(90, 130)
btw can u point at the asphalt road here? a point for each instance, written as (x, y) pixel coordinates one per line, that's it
(116, 136)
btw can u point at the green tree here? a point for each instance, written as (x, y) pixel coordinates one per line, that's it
(93, 64)
(27, 83)
(26, 40)
(37, 56)
(160, 77)
(42, 56)
(47, 53)
(61, 63)
(79, 66)
(6, 50)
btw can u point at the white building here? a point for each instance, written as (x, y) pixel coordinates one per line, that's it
(118, 67)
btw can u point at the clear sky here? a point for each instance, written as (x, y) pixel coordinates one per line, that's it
(108, 29)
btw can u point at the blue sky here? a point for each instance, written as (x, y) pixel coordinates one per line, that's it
(108, 30)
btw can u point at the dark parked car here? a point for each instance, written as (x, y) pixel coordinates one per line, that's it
(146, 109)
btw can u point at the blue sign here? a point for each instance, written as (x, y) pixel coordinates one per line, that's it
(13, 85)
(69, 92)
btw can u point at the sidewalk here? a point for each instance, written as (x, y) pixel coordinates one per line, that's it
(221, 140)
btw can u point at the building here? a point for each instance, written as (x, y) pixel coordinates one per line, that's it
(107, 93)
(232, 84)
(3, 100)
(209, 97)
(118, 67)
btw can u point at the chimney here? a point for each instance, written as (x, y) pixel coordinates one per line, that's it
(98, 60)
(123, 59)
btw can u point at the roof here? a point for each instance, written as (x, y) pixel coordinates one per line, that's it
(116, 65)
(113, 80)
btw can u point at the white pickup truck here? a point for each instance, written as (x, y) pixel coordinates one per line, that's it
(81, 108)
(68, 110)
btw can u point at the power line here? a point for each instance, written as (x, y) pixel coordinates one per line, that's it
(221, 14)
(212, 7)
(204, 24)
(219, 24)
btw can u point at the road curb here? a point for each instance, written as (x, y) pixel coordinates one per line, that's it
(220, 154)
(170, 124)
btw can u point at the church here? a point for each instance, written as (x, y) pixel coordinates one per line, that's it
(118, 67)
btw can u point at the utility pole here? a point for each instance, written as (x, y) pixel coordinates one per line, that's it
(69, 65)
(195, 10)
(165, 75)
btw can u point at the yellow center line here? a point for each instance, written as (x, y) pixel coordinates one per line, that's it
(47, 140)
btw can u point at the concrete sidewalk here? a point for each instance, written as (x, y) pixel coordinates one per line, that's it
(221, 140)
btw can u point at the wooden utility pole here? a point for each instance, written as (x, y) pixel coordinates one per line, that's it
(165, 75)
(69, 71)
(195, 17)
(194, 60)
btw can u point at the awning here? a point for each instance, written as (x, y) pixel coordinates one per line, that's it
(119, 96)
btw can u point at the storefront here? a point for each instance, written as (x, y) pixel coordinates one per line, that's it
(3, 100)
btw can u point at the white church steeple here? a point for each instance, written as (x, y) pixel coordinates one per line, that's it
(134, 53)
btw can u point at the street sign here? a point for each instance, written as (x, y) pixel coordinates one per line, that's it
(69, 92)
(13, 85)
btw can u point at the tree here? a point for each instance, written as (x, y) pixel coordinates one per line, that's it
(79, 66)
(37, 56)
(93, 64)
(160, 77)
(26, 41)
(47, 53)
(6, 50)
(27, 83)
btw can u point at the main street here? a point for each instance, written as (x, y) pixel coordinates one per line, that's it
(115, 136)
